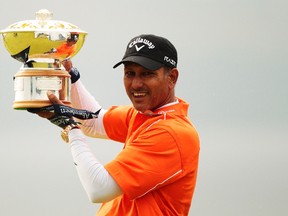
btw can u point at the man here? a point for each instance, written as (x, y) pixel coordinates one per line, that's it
(155, 173)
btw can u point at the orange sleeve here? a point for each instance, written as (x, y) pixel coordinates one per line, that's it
(116, 121)
(150, 161)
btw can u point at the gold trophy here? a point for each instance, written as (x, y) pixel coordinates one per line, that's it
(41, 45)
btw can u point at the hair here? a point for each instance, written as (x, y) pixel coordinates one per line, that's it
(167, 69)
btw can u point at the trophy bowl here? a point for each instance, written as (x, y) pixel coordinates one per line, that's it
(41, 45)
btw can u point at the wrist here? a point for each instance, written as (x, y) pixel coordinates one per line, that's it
(75, 74)
(66, 130)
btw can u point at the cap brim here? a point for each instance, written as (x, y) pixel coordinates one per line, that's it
(143, 61)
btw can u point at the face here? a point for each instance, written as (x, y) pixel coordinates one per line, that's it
(147, 89)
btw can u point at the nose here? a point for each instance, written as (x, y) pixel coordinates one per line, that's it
(137, 82)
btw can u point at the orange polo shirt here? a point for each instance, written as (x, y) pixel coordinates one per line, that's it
(157, 167)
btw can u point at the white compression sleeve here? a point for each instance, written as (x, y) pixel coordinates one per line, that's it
(97, 182)
(82, 99)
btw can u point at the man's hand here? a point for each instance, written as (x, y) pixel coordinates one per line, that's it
(62, 115)
(49, 112)
(74, 73)
(67, 64)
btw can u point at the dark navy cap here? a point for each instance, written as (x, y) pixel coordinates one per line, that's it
(150, 51)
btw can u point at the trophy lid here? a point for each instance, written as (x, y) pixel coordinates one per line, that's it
(43, 23)
(43, 38)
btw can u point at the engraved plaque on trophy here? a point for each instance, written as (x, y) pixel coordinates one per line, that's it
(41, 45)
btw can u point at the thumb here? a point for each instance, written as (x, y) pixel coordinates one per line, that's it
(53, 98)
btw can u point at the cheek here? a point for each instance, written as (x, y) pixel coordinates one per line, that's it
(126, 86)
(126, 83)
(161, 90)
(166, 85)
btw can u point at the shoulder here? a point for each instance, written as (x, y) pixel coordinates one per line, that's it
(178, 129)
(120, 111)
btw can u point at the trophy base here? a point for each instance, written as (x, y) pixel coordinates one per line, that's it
(24, 105)
(31, 87)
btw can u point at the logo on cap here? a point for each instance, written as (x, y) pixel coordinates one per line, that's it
(138, 48)
(169, 60)
(142, 41)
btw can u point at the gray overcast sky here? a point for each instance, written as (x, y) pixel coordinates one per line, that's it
(233, 72)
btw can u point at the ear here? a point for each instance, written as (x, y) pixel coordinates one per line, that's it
(173, 76)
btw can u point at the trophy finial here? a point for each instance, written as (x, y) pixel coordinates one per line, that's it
(43, 14)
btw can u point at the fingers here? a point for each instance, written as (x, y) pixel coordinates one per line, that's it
(67, 64)
(39, 112)
(46, 115)
(53, 99)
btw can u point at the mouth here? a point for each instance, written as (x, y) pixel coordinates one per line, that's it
(139, 94)
(140, 100)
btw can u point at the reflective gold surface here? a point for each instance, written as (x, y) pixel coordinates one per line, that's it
(25, 46)
(41, 45)
(43, 38)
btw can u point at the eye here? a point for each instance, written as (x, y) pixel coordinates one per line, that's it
(129, 74)
(148, 74)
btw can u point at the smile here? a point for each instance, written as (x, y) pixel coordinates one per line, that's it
(138, 94)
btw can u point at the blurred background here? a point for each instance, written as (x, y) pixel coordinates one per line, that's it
(233, 72)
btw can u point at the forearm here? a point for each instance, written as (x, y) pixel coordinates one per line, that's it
(97, 182)
(82, 99)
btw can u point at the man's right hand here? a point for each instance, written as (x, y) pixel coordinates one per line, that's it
(59, 120)
(74, 73)
(67, 64)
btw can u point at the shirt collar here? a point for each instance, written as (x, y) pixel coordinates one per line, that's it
(178, 107)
